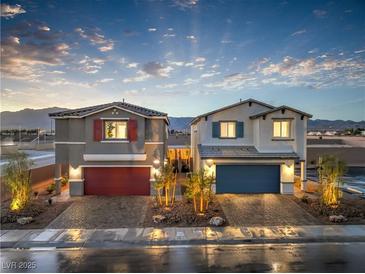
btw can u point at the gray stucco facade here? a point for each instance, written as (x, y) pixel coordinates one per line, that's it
(75, 144)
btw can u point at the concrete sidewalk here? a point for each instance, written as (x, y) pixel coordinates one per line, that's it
(106, 238)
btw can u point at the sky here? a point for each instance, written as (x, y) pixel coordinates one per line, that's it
(185, 57)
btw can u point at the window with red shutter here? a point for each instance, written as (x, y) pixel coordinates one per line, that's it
(98, 130)
(132, 130)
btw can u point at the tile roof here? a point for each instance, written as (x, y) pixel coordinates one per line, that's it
(82, 112)
(241, 152)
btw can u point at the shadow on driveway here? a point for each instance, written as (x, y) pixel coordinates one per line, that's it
(264, 209)
(92, 212)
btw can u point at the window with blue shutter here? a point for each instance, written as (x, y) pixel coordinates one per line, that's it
(215, 130)
(239, 129)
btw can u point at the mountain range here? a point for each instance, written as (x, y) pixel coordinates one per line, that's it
(38, 118)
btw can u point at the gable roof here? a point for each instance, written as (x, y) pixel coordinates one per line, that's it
(280, 108)
(250, 100)
(83, 112)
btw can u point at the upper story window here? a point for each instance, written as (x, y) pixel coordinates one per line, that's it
(228, 129)
(115, 130)
(281, 129)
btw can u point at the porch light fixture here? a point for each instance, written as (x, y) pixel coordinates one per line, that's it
(210, 162)
(156, 163)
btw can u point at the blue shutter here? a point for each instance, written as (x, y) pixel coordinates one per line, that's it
(216, 132)
(239, 129)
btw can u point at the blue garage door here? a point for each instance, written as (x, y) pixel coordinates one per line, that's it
(248, 179)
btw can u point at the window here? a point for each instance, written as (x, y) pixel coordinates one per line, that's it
(115, 130)
(228, 129)
(281, 129)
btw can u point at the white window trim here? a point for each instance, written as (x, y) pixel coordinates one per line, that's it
(154, 143)
(69, 143)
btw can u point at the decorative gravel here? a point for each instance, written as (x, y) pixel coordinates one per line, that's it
(91, 212)
(264, 209)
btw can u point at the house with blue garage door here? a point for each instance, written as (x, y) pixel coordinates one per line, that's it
(251, 147)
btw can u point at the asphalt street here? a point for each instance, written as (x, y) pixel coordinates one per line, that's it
(313, 257)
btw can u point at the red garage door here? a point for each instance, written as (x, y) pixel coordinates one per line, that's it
(117, 180)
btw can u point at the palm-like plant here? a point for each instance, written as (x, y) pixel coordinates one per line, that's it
(330, 172)
(17, 177)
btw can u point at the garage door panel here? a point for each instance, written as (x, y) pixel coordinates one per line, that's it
(248, 179)
(113, 181)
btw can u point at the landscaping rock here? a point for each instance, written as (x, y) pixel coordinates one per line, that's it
(157, 219)
(337, 218)
(24, 220)
(216, 221)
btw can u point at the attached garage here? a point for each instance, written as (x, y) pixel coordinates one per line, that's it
(247, 179)
(113, 181)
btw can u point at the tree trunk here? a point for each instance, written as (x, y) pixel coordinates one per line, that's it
(166, 197)
(159, 196)
(194, 200)
(201, 202)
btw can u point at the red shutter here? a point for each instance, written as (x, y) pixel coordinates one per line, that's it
(98, 130)
(132, 130)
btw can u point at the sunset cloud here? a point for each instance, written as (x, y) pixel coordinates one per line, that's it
(10, 11)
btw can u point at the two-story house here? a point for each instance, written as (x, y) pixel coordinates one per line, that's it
(110, 149)
(251, 147)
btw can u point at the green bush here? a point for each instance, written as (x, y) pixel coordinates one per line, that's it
(51, 188)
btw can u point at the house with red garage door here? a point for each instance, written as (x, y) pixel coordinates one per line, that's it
(110, 149)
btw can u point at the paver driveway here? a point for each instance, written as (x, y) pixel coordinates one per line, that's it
(263, 209)
(91, 212)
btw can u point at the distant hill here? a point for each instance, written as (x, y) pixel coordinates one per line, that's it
(334, 125)
(38, 118)
(180, 123)
(28, 118)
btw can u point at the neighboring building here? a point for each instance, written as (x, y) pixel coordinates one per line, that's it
(179, 152)
(251, 147)
(111, 149)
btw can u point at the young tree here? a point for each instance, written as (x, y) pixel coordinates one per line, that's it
(199, 188)
(17, 177)
(330, 173)
(166, 180)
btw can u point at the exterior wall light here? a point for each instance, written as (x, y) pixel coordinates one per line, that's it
(156, 163)
(210, 162)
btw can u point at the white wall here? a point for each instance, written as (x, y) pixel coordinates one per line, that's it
(238, 113)
(264, 133)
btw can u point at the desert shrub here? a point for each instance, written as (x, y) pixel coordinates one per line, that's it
(330, 173)
(17, 179)
(64, 180)
(51, 188)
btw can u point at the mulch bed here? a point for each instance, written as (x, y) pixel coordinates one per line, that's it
(352, 210)
(39, 209)
(182, 214)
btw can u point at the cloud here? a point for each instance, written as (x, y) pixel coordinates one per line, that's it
(91, 65)
(190, 81)
(359, 51)
(320, 13)
(226, 41)
(105, 80)
(132, 65)
(298, 32)
(169, 35)
(152, 29)
(210, 74)
(44, 28)
(176, 63)
(184, 4)
(316, 72)
(192, 38)
(200, 59)
(157, 69)
(140, 77)
(167, 86)
(10, 11)
(234, 81)
(95, 38)
(25, 53)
